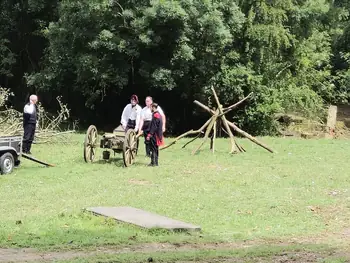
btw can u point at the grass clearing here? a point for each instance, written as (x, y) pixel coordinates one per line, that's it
(302, 190)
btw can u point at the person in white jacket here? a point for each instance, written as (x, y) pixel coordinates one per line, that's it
(131, 115)
(145, 122)
(30, 118)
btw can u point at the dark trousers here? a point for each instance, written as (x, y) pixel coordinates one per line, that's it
(154, 150)
(28, 137)
(147, 144)
(146, 128)
(130, 125)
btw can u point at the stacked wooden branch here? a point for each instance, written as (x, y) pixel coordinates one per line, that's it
(48, 129)
(210, 127)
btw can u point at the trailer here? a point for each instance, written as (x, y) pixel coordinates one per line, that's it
(11, 153)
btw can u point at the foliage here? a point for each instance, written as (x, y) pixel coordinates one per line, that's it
(21, 41)
(291, 54)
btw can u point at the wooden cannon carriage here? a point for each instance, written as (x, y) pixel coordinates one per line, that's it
(119, 141)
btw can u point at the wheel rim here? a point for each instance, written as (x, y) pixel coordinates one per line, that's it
(8, 164)
(129, 148)
(90, 144)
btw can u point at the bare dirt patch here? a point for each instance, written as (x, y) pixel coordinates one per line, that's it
(27, 255)
(32, 255)
(282, 258)
(342, 238)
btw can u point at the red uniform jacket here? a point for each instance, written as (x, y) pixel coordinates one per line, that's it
(156, 128)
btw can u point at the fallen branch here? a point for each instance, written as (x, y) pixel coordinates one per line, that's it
(48, 127)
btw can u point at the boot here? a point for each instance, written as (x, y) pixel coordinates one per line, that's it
(156, 159)
(156, 155)
(153, 159)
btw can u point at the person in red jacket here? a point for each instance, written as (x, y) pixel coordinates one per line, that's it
(155, 135)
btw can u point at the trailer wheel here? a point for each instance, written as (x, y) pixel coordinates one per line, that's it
(7, 163)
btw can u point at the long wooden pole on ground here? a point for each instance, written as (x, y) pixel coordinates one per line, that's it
(195, 138)
(248, 136)
(238, 146)
(188, 133)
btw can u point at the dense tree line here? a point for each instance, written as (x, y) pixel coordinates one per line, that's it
(293, 54)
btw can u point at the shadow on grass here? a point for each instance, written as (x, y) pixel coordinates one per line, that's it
(119, 162)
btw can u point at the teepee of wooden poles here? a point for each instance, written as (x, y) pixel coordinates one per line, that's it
(210, 127)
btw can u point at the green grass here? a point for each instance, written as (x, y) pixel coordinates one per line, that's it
(255, 195)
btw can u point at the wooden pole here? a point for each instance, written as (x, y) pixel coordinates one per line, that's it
(187, 143)
(331, 121)
(223, 118)
(212, 124)
(214, 137)
(210, 127)
(248, 136)
(204, 107)
(238, 146)
(187, 133)
(228, 109)
(243, 133)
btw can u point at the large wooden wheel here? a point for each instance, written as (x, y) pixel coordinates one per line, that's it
(130, 146)
(90, 144)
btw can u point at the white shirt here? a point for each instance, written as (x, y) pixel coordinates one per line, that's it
(146, 113)
(29, 108)
(132, 113)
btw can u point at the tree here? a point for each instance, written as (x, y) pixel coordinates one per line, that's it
(22, 44)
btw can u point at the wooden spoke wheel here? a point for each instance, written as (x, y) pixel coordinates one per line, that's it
(130, 146)
(90, 144)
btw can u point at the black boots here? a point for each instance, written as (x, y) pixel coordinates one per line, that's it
(154, 160)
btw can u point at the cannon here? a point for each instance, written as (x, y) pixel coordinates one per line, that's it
(119, 141)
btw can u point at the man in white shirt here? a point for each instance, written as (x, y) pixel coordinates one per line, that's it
(131, 115)
(145, 121)
(29, 123)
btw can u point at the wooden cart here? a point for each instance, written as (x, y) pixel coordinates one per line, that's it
(119, 142)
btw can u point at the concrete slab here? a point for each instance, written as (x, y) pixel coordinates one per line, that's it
(142, 218)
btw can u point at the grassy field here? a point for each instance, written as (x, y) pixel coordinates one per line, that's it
(299, 193)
